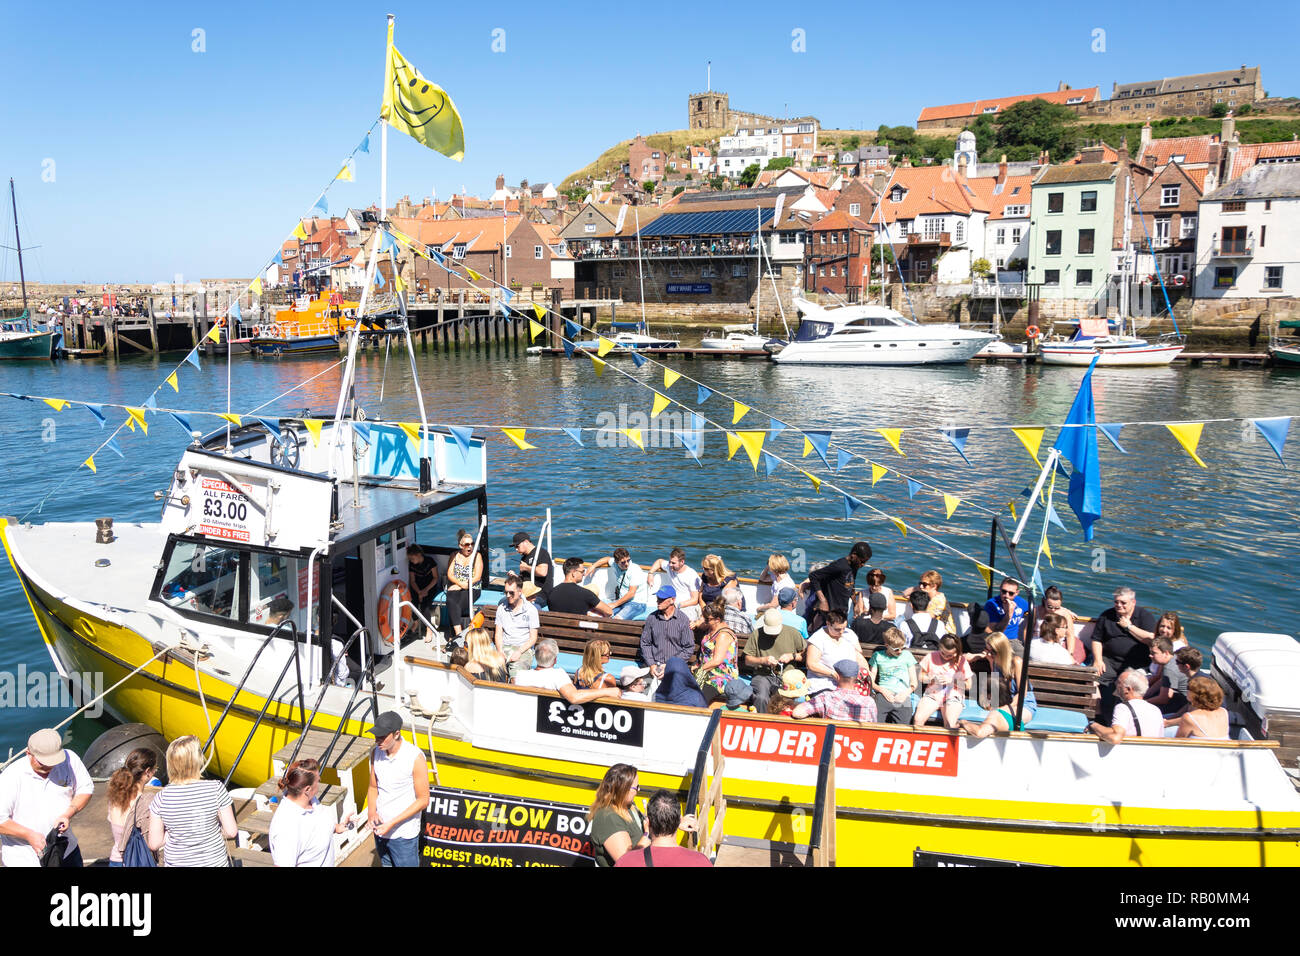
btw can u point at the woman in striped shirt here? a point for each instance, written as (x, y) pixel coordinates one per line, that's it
(191, 819)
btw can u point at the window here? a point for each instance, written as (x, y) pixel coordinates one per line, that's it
(507, 250)
(1234, 207)
(933, 227)
(1083, 277)
(959, 233)
(1263, 232)
(203, 579)
(822, 271)
(1087, 242)
(1053, 242)
(1169, 195)
(1001, 236)
(1160, 231)
(1233, 241)
(458, 251)
(739, 269)
(896, 194)
(589, 227)
(538, 252)
(1225, 277)
(1268, 205)
(675, 271)
(1051, 277)
(1088, 201)
(619, 271)
(1272, 277)
(1187, 228)
(844, 238)
(1056, 202)
(1015, 236)
(834, 238)
(855, 209)
(708, 271)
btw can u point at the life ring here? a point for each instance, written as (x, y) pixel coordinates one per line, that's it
(1180, 279)
(386, 609)
(275, 331)
(1032, 332)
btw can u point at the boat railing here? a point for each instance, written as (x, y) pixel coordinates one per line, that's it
(284, 625)
(705, 799)
(368, 672)
(821, 843)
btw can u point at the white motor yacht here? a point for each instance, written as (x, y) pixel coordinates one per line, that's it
(875, 335)
(738, 338)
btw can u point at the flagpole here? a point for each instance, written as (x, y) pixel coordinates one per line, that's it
(1052, 457)
(383, 136)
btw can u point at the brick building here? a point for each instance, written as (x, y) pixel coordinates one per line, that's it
(1192, 95)
(955, 115)
(839, 248)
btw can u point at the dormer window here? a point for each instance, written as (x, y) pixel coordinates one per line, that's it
(896, 194)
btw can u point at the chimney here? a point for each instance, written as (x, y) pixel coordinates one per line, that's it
(879, 181)
(501, 181)
(1228, 131)
(1002, 169)
(525, 198)
(1145, 138)
(1062, 86)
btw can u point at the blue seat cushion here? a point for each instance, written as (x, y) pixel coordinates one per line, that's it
(1045, 718)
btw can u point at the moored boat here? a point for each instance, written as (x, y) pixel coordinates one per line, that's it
(875, 335)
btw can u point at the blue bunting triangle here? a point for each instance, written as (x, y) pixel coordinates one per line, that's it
(569, 347)
(365, 144)
(957, 437)
(112, 443)
(278, 259)
(572, 329)
(851, 505)
(697, 422)
(702, 394)
(234, 310)
(379, 278)
(820, 442)
(770, 463)
(1274, 431)
(151, 402)
(1061, 470)
(693, 442)
(21, 398)
(1025, 491)
(913, 486)
(575, 434)
(774, 428)
(1037, 585)
(842, 458)
(437, 256)
(462, 435)
(387, 242)
(638, 359)
(1053, 517)
(322, 207)
(1112, 435)
(95, 410)
(272, 425)
(193, 358)
(362, 431)
(183, 422)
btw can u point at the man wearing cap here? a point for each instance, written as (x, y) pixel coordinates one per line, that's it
(843, 702)
(870, 627)
(772, 646)
(634, 682)
(534, 567)
(40, 794)
(666, 633)
(398, 794)
(516, 626)
(786, 598)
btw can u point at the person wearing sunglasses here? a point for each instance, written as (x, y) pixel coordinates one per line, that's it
(517, 623)
(1007, 609)
(464, 570)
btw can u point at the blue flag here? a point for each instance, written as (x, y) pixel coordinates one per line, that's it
(1274, 431)
(234, 310)
(365, 144)
(770, 463)
(387, 242)
(362, 431)
(575, 434)
(462, 435)
(322, 207)
(851, 505)
(568, 347)
(774, 429)
(437, 256)
(272, 425)
(183, 422)
(1112, 435)
(151, 402)
(820, 442)
(572, 329)
(112, 443)
(702, 394)
(279, 259)
(1079, 445)
(638, 359)
(193, 358)
(913, 486)
(842, 458)
(693, 442)
(95, 410)
(957, 436)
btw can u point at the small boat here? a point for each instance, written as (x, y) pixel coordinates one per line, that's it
(240, 344)
(1284, 343)
(740, 338)
(309, 325)
(630, 335)
(1106, 341)
(875, 335)
(19, 339)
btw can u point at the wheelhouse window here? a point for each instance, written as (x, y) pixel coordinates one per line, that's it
(202, 578)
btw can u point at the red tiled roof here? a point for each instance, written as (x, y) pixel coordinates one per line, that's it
(838, 219)
(998, 202)
(1251, 153)
(1196, 149)
(933, 190)
(979, 107)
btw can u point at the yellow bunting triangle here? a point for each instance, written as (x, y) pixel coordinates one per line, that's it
(733, 445)
(738, 412)
(411, 430)
(535, 329)
(256, 286)
(950, 503)
(670, 377)
(986, 573)
(56, 403)
(345, 173)
(816, 482)
(539, 311)
(1012, 506)
(902, 528)
(137, 418)
(313, 426)
(214, 333)
(877, 472)
(1031, 438)
(1047, 552)
(753, 443)
(807, 448)
(171, 380)
(299, 232)
(661, 402)
(472, 274)
(634, 436)
(517, 435)
(233, 419)
(398, 284)
(603, 346)
(90, 463)
(1189, 436)
(598, 365)
(893, 436)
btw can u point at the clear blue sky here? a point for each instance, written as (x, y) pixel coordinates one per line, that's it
(170, 161)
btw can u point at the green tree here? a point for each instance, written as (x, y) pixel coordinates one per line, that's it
(648, 186)
(780, 162)
(981, 268)
(853, 142)
(1219, 110)
(1037, 125)
(679, 190)
(749, 175)
(717, 182)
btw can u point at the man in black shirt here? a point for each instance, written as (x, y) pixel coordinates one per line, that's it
(538, 575)
(424, 579)
(571, 597)
(1121, 639)
(833, 583)
(871, 628)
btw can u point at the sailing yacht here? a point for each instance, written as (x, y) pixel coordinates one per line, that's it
(19, 338)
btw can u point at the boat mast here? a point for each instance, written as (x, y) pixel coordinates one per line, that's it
(640, 270)
(22, 278)
(758, 276)
(1124, 276)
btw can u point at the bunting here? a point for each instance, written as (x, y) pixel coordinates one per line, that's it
(313, 426)
(733, 445)
(90, 463)
(1112, 435)
(637, 358)
(1274, 431)
(519, 436)
(99, 415)
(842, 458)
(770, 463)
(535, 329)
(1047, 551)
(171, 380)
(902, 528)
(137, 418)
(575, 434)
(819, 442)
(235, 420)
(299, 232)
(660, 403)
(877, 472)
(693, 442)
(411, 430)
(597, 364)
(462, 435)
(183, 422)
(986, 573)
(193, 358)
(702, 392)
(950, 503)
(1031, 438)
(913, 486)
(214, 333)
(774, 428)
(473, 275)
(957, 438)
(671, 377)
(738, 411)
(634, 436)
(1189, 436)
(55, 403)
(893, 436)
(851, 505)
(816, 482)
(345, 174)
(753, 445)
(540, 312)
(603, 346)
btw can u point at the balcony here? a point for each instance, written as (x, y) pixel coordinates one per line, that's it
(1234, 248)
(680, 249)
(939, 238)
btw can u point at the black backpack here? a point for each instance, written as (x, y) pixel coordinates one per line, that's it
(929, 638)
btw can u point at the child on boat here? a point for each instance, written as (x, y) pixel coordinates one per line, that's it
(946, 674)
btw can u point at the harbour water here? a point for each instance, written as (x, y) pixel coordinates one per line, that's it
(1218, 545)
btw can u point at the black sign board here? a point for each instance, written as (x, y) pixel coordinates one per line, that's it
(464, 828)
(926, 858)
(598, 721)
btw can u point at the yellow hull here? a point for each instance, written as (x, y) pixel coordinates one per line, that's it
(874, 829)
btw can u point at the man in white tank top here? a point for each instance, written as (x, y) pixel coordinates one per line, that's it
(399, 792)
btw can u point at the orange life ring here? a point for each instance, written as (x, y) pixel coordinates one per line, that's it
(1032, 332)
(386, 609)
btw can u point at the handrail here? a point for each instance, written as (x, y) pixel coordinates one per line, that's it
(343, 720)
(697, 775)
(266, 703)
(325, 688)
(293, 628)
(821, 842)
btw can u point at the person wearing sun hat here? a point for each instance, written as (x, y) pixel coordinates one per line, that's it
(38, 796)
(794, 684)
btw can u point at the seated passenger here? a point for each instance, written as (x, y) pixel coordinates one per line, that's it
(787, 599)
(1004, 697)
(485, 661)
(946, 675)
(714, 579)
(767, 650)
(1007, 609)
(1168, 683)
(594, 658)
(876, 585)
(570, 597)
(831, 644)
(1205, 719)
(626, 586)
(1050, 647)
(844, 701)
(720, 653)
(774, 579)
(1054, 603)
(684, 581)
(931, 582)
(425, 583)
(1171, 627)
(678, 686)
(739, 696)
(465, 570)
(634, 682)
(922, 629)
(1133, 716)
(893, 672)
(869, 623)
(546, 676)
(795, 688)
(734, 607)
(278, 611)
(666, 634)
